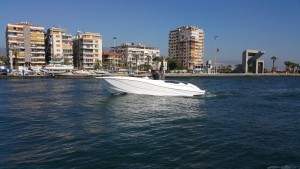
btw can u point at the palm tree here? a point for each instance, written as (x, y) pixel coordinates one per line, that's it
(122, 63)
(288, 65)
(106, 64)
(148, 59)
(16, 52)
(97, 64)
(136, 61)
(297, 66)
(172, 63)
(157, 59)
(274, 58)
(5, 60)
(129, 63)
(294, 66)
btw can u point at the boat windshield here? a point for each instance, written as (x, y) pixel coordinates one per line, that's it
(175, 81)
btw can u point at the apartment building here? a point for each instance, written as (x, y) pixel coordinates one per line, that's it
(186, 45)
(87, 49)
(138, 54)
(25, 45)
(59, 46)
(113, 59)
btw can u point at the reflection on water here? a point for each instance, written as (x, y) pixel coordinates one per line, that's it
(67, 123)
(141, 106)
(141, 114)
(52, 115)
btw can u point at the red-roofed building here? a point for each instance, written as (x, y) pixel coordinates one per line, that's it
(113, 59)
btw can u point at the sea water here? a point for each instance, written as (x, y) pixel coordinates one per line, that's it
(241, 122)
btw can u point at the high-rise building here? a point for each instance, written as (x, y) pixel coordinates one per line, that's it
(59, 46)
(137, 55)
(87, 50)
(25, 44)
(186, 45)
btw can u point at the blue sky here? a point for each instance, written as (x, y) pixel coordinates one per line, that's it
(269, 25)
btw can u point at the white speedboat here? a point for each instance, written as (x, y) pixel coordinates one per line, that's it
(146, 86)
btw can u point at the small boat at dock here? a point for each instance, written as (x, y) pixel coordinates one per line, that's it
(54, 69)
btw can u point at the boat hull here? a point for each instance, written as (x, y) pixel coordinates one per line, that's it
(146, 86)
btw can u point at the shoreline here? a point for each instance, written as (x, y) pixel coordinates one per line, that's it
(229, 75)
(166, 75)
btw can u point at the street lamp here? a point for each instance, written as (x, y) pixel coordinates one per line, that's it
(114, 55)
(215, 63)
(114, 42)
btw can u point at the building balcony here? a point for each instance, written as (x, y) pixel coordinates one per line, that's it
(87, 53)
(37, 53)
(67, 54)
(17, 31)
(109, 58)
(37, 47)
(38, 56)
(34, 44)
(67, 47)
(87, 47)
(87, 41)
(12, 35)
(68, 57)
(38, 61)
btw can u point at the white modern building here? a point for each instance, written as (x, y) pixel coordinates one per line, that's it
(138, 54)
(251, 62)
(59, 46)
(186, 45)
(87, 49)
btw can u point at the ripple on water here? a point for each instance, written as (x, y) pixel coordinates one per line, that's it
(74, 123)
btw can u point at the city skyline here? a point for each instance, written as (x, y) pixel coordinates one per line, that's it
(270, 25)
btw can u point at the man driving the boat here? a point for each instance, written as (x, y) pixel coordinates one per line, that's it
(155, 74)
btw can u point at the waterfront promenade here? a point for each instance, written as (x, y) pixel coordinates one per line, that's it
(227, 74)
(166, 75)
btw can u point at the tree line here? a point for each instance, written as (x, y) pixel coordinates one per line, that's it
(4, 59)
(291, 67)
(173, 64)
